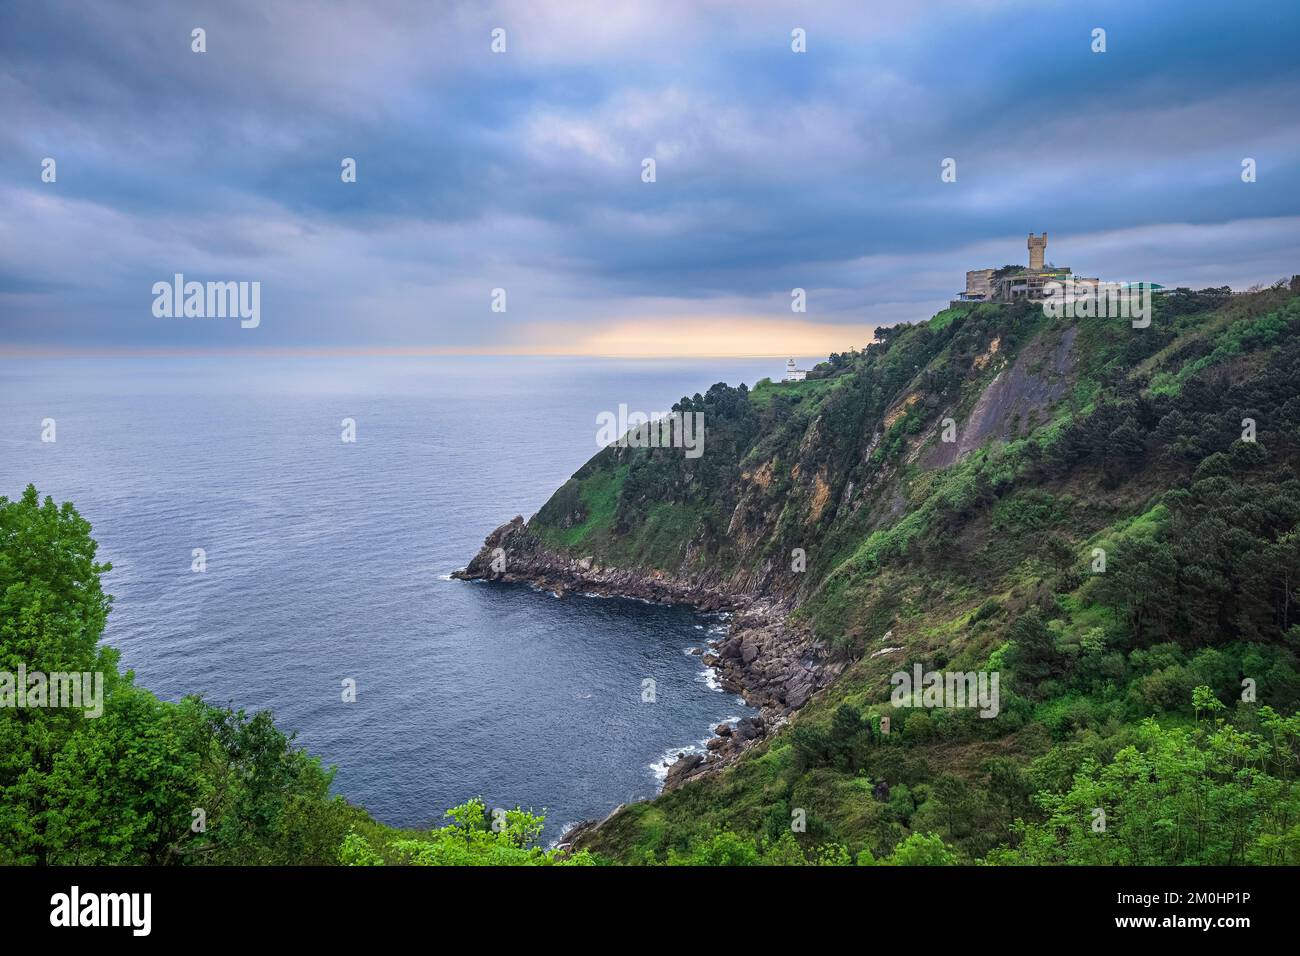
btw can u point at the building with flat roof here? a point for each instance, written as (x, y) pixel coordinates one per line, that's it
(1017, 282)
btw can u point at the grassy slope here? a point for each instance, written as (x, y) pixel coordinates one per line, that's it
(976, 546)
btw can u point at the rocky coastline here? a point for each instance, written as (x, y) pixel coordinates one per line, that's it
(773, 664)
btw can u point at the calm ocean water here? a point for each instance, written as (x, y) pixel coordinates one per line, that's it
(328, 561)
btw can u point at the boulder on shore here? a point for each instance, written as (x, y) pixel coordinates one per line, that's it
(681, 769)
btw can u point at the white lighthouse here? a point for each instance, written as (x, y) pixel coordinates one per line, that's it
(793, 374)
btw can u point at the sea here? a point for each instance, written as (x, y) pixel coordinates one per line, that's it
(325, 564)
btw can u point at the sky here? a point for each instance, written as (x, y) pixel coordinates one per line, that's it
(523, 170)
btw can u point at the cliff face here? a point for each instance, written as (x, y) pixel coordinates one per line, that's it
(793, 467)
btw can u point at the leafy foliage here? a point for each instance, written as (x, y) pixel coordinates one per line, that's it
(151, 782)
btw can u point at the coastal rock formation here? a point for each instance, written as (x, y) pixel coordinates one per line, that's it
(512, 554)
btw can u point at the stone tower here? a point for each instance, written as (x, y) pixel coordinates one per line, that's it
(1037, 246)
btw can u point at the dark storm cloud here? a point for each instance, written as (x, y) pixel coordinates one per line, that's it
(523, 170)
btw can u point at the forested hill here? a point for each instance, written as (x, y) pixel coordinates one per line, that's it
(1103, 515)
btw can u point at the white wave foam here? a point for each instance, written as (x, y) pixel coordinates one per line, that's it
(709, 676)
(564, 832)
(669, 757)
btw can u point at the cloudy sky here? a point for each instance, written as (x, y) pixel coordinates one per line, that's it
(523, 170)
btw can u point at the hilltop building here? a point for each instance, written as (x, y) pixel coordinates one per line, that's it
(1018, 282)
(793, 374)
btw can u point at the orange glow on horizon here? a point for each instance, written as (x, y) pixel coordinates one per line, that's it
(702, 337)
(677, 337)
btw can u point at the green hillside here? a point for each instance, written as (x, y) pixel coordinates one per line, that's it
(1121, 689)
